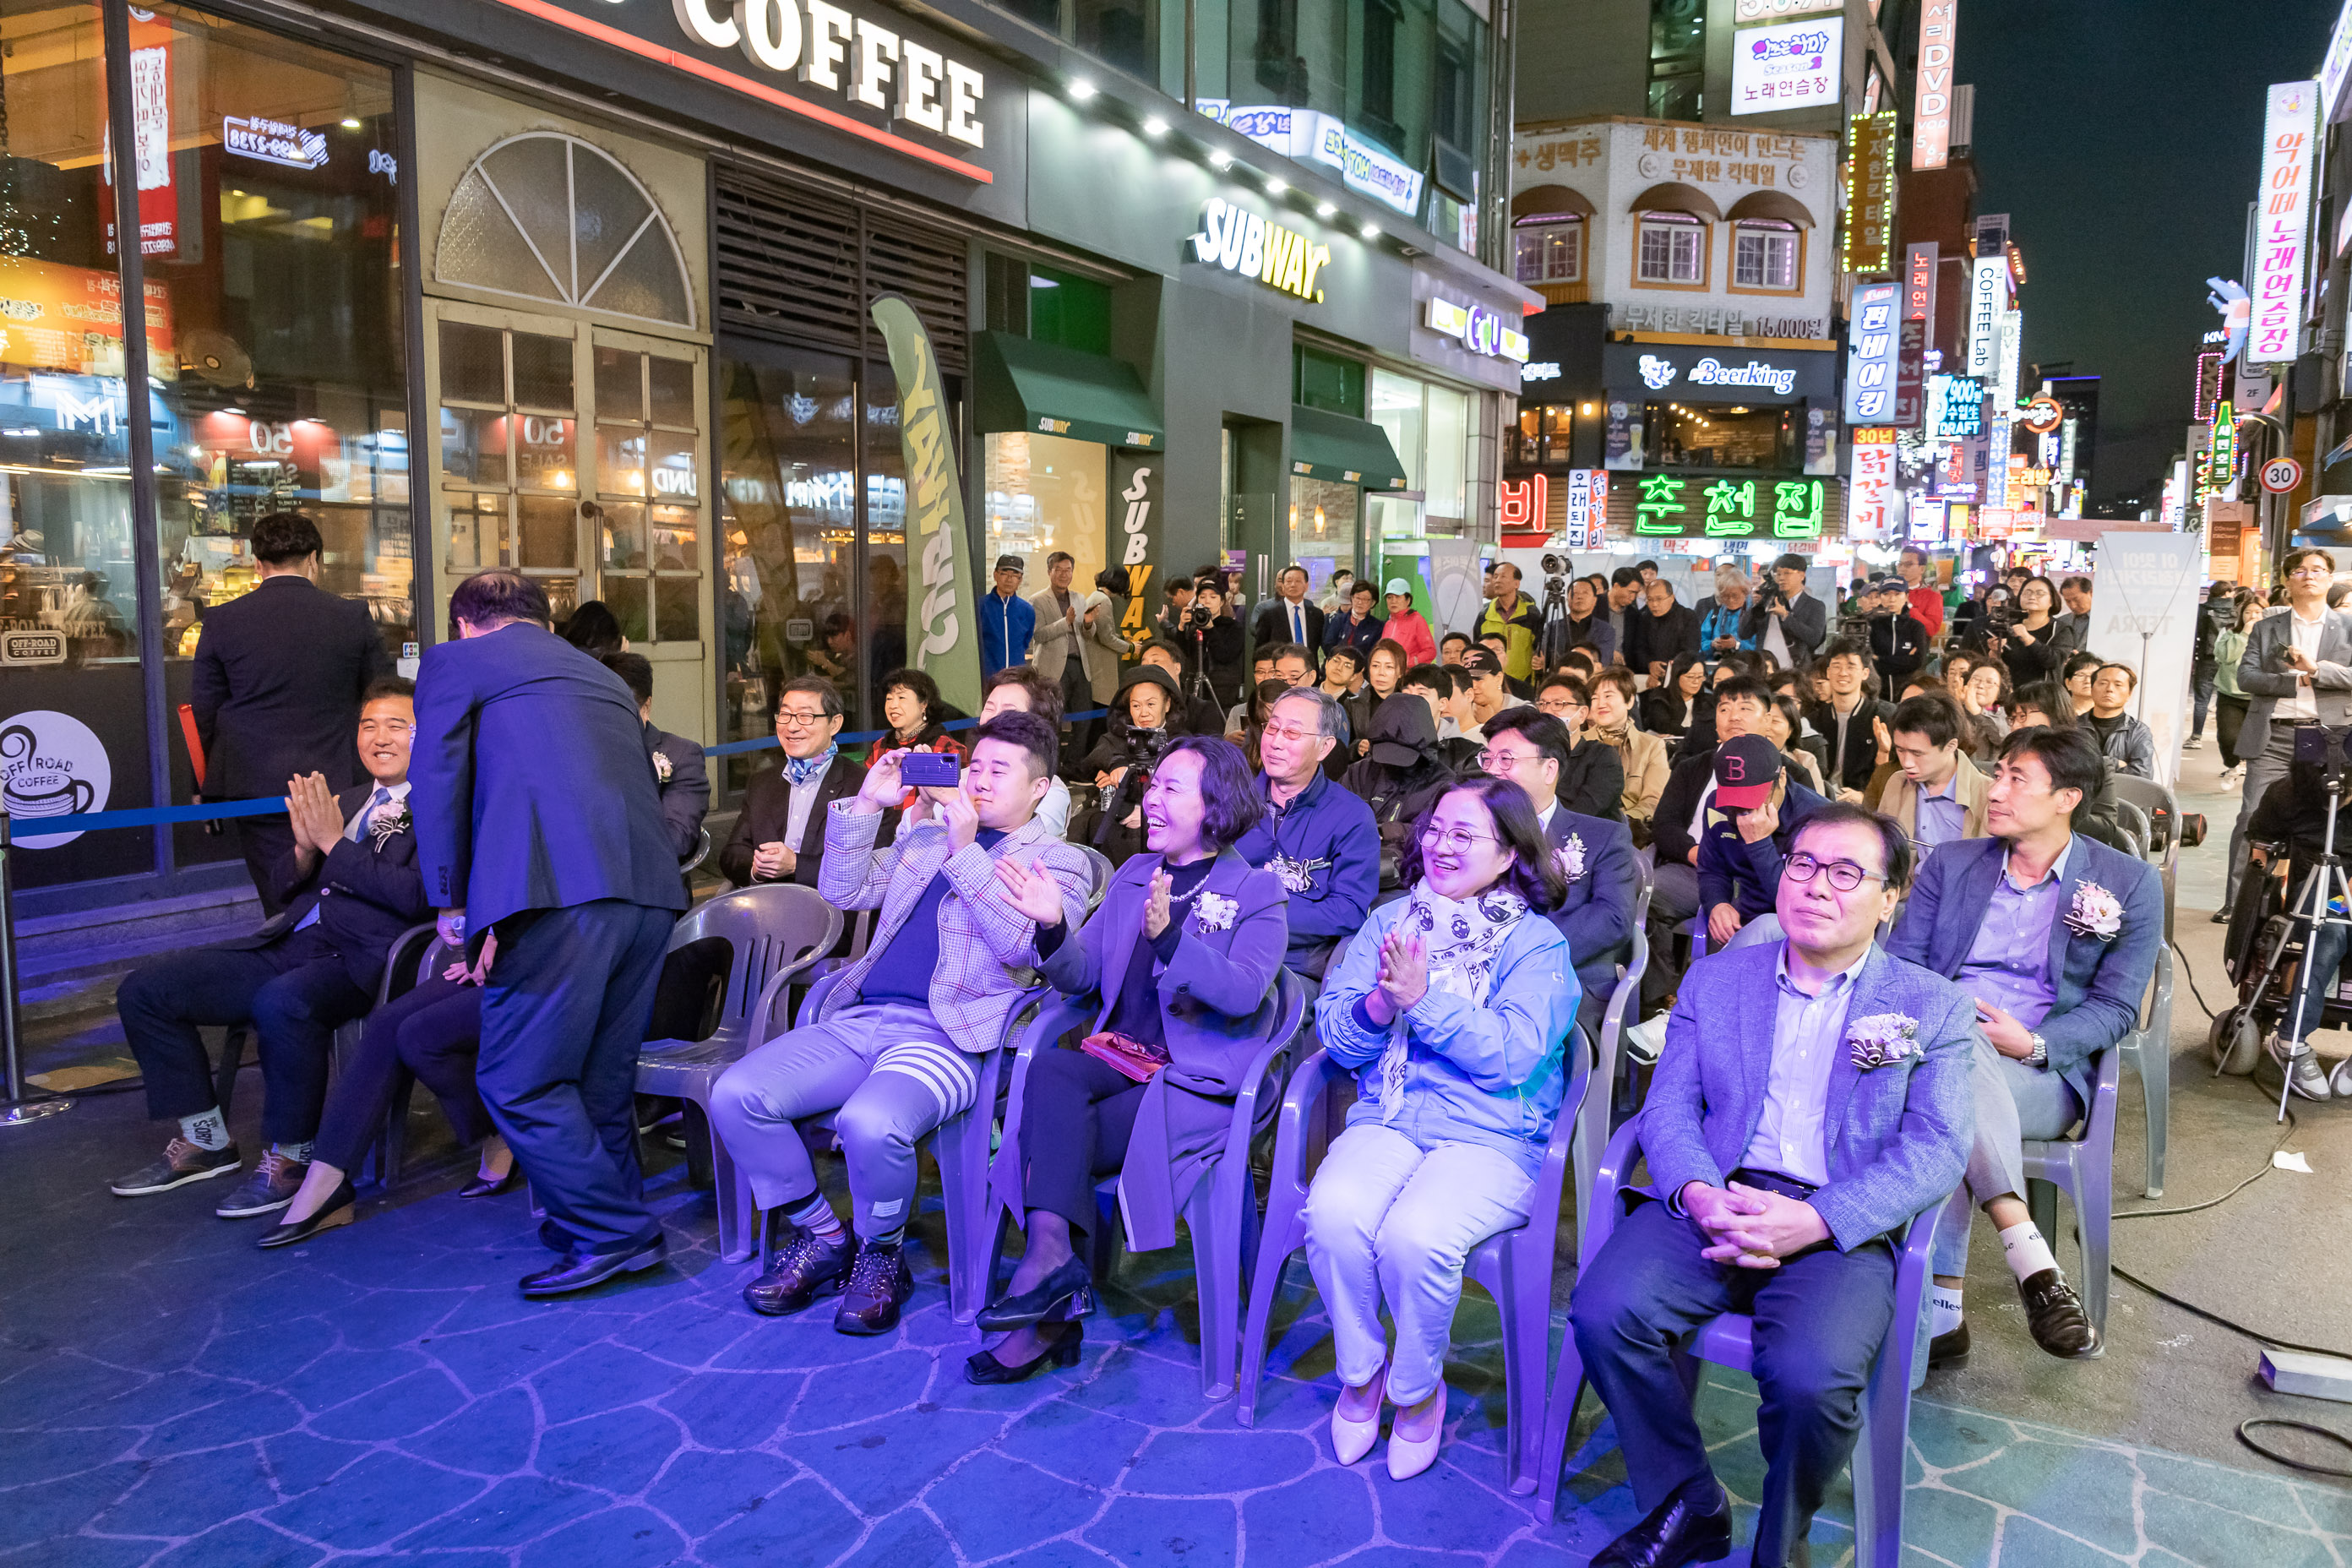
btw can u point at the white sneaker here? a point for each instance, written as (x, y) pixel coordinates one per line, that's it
(2302, 1070)
(2194, 743)
(2339, 1083)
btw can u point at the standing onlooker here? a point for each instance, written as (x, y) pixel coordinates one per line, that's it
(1290, 618)
(1517, 618)
(538, 817)
(1927, 603)
(1786, 622)
(277, 685)
(1078, 645)
(2204, 673)
(1354, 626)
(1665, 630)
(1007, 621)
(2295, 667)
(2076, 594)
(2230, 621)
(1406, 628)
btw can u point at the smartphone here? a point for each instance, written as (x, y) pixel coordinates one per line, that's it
(934, 770)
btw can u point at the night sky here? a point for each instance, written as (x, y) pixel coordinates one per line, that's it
(2124, 139)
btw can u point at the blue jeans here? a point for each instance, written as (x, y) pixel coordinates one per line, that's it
(2201, 684)
(2323, 956)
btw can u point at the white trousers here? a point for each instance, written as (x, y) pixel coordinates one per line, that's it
(1385, 1220)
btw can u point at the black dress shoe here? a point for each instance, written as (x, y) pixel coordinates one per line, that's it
(1066, 1292)
(1063, 1354)
(336, 1210)
(1950, 1349)
(1675, 1533)
(578, 1270)
(879, 1284)
(555, 1238)
(483, 1186)
(798, 1272)
(2056, 1315)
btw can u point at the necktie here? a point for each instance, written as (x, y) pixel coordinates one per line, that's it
(357, 832)
(1299, 626)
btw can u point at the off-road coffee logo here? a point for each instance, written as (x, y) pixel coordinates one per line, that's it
(50, 765)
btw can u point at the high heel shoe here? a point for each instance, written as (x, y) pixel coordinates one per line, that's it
(336, 1210)
(1070, 1286)
(982, 1367)
(1408, 1456)
(483, 1186)
(1351, 1439)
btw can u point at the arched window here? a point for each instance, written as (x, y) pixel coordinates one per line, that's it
(1550, 248)
(548, 216)
(1671, 250)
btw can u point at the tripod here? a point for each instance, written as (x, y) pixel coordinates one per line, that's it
(2327, 883)
(1551, 642)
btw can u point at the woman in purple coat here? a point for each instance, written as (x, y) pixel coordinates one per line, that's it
(1184, 952)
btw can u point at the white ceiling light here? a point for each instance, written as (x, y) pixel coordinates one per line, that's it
(1081, 88)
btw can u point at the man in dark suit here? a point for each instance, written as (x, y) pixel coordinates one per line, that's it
(276, 686)
(1290, 617)
(2056, 936)
(779, 833)
(347, 887)
(1661, 630)
(538, 815)
(1530, 747)
(1785, 620)
(679, 773)
(1851, 721)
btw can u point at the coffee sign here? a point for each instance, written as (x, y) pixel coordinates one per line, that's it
(32, 648)
(51, 765)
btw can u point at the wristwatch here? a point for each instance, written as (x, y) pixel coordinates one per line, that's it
(2040, 1057)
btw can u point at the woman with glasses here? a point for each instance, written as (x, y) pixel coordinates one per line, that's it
(1667, 709)
(1986, 700)
(1451, 1006)
(1184, 952)
(2036, 643)
(2079, 670)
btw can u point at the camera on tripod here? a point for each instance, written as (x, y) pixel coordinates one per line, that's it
(1198, 618)
(2330, 751)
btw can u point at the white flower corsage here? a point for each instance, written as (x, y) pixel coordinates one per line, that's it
(385, 829)
(1214, 911)
(1570, 855)
(2096, 912)
(663, 766)
(1882, 1040)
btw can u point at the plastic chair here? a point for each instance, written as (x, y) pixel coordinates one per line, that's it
(701, 851)
(1514, 1266)
(1221, 1212)
(1597, 1110)
(2148, 1049)
(1099, 867)
(390, 1157)
(779, 931)
(2084, 1168)
(1878, 1456)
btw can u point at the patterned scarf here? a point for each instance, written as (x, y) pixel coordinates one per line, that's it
(1464, 941)
(1617, 739)
(802, 772)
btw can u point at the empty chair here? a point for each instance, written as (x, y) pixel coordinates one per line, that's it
(1886, 1407)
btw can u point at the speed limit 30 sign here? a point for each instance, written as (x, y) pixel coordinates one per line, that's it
(2281, 475)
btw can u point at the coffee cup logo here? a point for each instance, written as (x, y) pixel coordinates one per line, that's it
(51, 765)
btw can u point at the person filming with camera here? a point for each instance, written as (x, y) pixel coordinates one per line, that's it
(1782, 618)
(2297, 669)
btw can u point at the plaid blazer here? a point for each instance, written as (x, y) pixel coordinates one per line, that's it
(986, 945)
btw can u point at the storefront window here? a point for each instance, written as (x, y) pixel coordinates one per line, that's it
(73, 732)
(1549, 251)
(1447, 469)
(1764, 256)
(271, 226)
(511, 455)
(1323, 532)
(1544, 432)
(1397, 409)
(1044, 493)
(649, 508)
(1684, 435)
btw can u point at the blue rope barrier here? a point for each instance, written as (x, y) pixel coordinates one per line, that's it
(155, 816)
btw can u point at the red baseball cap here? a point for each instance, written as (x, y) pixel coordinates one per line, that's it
(1746, 769)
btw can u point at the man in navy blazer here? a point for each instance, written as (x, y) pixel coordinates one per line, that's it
(276, 686)
(347, 887)
(538, 814)
(1530, 747)
(1812, 1100)
(2056, 936)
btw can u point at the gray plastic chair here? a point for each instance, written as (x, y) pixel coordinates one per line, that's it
(779, 931)
(2084, 1168)
(390, 1157)
(1726, 1341)
(1221, 1212)
(1597, 1109)
(1099, 867)
(1514, 1266)
(2148, 1049)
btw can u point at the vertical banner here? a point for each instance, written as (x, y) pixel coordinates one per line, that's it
(151, 139)
(1870, 356)
(1135, 484)
(1918, 324)
(1931, 111)
(1586, 520)
(1867, 241)
(1869, 513)
(2144, 613)
(1623, 447)
(942, 630)
(2283, 223)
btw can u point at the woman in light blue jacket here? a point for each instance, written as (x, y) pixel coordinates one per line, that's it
(1451, 1005)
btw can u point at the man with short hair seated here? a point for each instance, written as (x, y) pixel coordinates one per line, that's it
(345, 892)
(1746, 833)
(1935, 792)
(1318, 837)
(895, 1048)
(2056, 936)
(1529, 748)
(1812, 1098)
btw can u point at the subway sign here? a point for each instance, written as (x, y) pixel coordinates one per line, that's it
(1240, 241)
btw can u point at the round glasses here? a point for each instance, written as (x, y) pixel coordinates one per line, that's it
(1843, 875)
(1458, 839)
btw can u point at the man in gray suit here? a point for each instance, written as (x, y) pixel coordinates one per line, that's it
(1077, 645)
(1791, 1144)
(2298, 669)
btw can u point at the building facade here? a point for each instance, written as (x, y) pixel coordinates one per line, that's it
(583, 289)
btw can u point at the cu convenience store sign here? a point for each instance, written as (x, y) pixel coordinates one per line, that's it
(2282, 238)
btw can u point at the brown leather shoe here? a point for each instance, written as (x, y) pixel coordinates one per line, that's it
(2055, 1314)
(183, 1162)
(798, 1272)
(270, 1187)
(879, 1284)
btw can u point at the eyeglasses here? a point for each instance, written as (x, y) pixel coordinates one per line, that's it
(1490, 761)
(1458, 839)
(1290, 732)
(1843, 875)
(786, 718)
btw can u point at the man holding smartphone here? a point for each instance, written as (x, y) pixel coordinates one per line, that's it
(896, 1045)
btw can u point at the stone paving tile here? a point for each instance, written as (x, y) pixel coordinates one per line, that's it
(383, 1395)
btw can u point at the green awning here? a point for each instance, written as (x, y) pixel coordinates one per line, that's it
(1045, 389)
(1326, 445)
